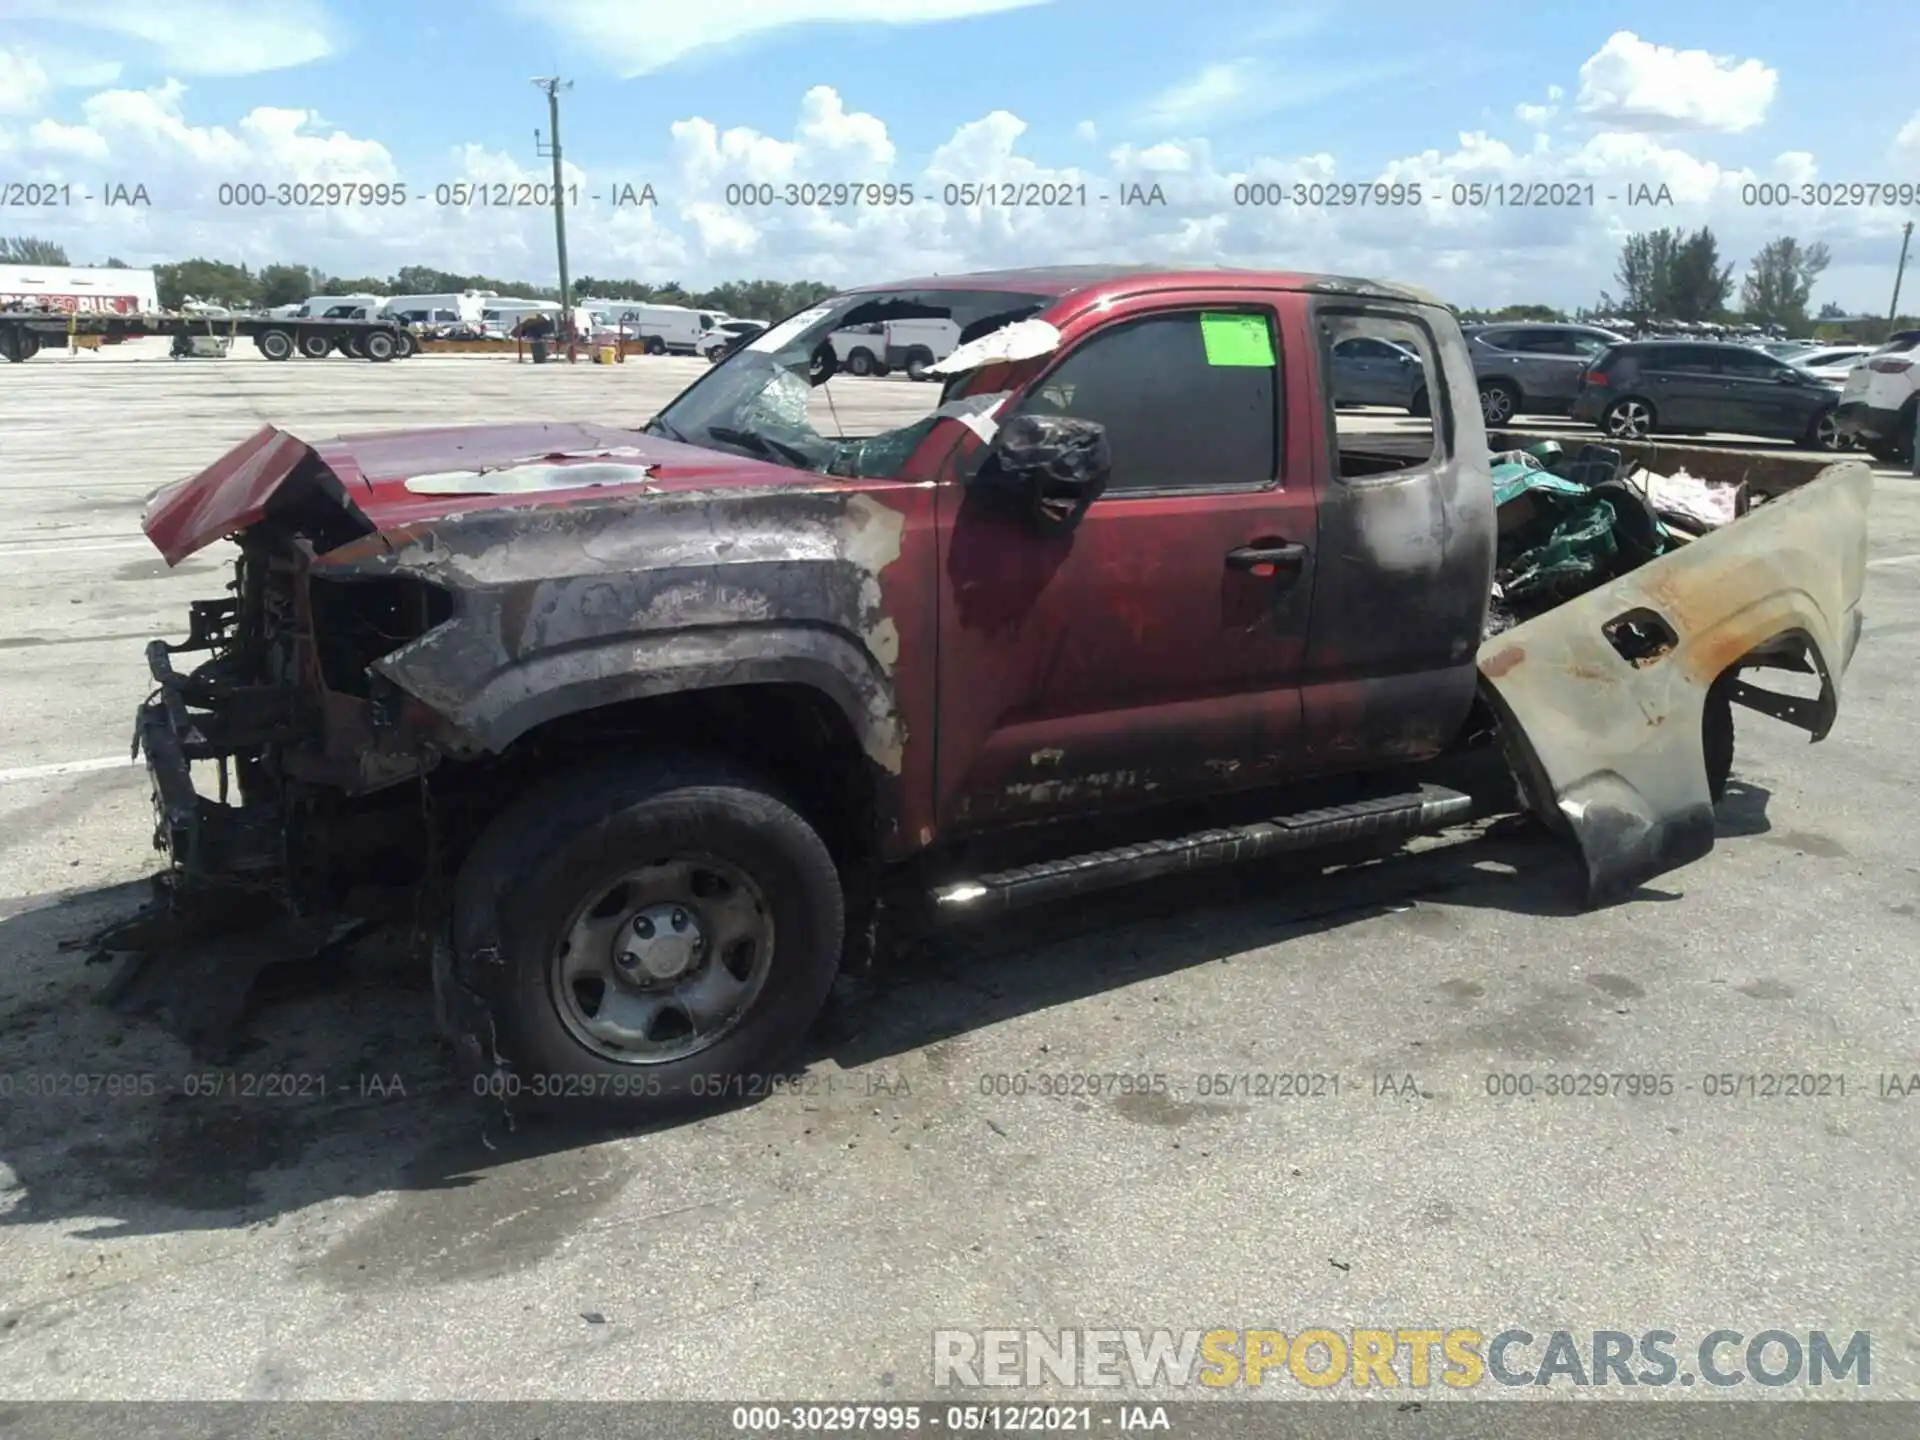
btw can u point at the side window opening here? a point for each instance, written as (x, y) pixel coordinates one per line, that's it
(1380, 413)
(1190, 400)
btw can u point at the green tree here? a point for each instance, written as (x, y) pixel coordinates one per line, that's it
(214, 281)
(1668, 275)
(1779, 283)
(286, 284)
(114, 262)
(27, 250)
(1700, 283)
(1831, 311)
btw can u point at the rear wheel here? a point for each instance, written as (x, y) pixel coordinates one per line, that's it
(1823, 432)
(404, 344)
(654, 937)
(1628, 419)
(276, 345)
(1419, 406)
(656, 346)
(315, 346)
(918, 364)
(19, 345)
(378, 345)
(861, 362)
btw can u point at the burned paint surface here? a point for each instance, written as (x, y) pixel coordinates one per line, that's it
(1405, 563)
(1612, 744)
(566, 608)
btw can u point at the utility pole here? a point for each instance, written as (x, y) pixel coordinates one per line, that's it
(1893, 310)
(553, 85)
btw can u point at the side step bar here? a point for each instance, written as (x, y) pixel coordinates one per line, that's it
(1428, 808)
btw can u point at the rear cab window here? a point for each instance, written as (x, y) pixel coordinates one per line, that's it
(1376, 442)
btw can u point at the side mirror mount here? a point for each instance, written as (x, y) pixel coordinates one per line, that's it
(1056, 466)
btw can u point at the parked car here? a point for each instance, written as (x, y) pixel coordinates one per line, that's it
(664, 749)
(1789, 350)
(1693, 386)
(1370, 371)
(1879, 400)
(727, 337)
(1835, 363)
(1532, 369)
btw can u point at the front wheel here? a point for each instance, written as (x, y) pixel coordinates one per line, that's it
(378, 345)
(648, 939)
(919, 363)
(1629, 419)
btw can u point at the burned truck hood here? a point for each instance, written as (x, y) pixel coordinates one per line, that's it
(387, 481)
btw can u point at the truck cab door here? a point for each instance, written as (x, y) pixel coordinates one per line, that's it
(1406, 552)
(1153, 652)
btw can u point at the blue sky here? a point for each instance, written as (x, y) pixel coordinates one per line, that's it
(1197, 96)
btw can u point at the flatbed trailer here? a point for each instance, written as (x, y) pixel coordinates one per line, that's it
(24, 333)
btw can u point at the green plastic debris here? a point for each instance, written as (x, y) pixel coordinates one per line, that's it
(1548, 452)
(1513, 478)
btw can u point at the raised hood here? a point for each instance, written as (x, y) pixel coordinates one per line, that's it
(368, 476)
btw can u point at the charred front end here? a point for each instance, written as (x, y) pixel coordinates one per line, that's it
(301, 756)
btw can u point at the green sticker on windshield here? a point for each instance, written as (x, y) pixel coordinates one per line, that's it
(1237, 340)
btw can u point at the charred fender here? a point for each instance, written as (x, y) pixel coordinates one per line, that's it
(1602, 698)
(564, 609)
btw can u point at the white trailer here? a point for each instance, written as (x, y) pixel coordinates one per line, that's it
(79, 289)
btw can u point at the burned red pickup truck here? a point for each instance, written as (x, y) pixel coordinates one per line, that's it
(662, 728)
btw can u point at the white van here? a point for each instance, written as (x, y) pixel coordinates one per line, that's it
(461, 309)
(665, 329)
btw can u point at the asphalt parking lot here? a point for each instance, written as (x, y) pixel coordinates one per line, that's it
(364, 1237)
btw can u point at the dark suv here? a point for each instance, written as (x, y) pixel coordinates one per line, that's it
(1532, 369)
(1691, 386)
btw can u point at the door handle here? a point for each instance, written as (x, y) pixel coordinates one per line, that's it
(1267, 561)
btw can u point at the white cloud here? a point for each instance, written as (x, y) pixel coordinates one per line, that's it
(200, 37)
(1086, 130)
(1238, 211)
(1632, 83)
(1212, 94)
(24, 83)
(1906, 144)
(636, 39)
(1536, 117)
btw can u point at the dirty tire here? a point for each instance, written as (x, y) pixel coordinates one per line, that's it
(656, 346)
(1716, 737)
(565, 843)
(378, 345)
(918, 363)
(404, 345)
(860, 362)
(315, 346)
(275, 345)
(1419, 407)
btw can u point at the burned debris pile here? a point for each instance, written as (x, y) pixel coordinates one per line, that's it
(1568, 523)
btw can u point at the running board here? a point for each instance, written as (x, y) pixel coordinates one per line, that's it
(1428, 808)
